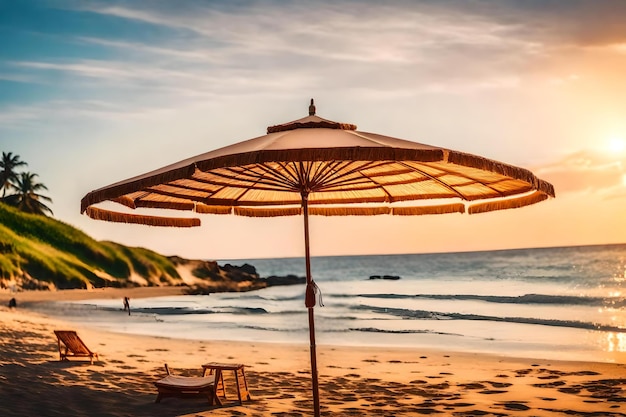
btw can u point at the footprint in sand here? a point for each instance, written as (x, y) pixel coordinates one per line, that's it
(570, 390)
(473, 413)
(499, 384)
(472, 385)
(418, 381)
(585, 373)
(515, 406)
(523, 372)
(443, 385)
(550, 384)
(452, 406)
(492, 391)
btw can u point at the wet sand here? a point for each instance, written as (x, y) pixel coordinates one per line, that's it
(353, 381)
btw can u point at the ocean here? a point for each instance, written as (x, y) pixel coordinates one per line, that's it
(561, 303)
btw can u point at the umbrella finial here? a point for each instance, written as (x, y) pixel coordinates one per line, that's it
(312, 108)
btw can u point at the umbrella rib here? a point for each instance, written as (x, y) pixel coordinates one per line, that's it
(174, 195)
(258, 179)
(437, 180)
(304, 173)
(332, 172)
(340, 178)
(276, 177)
(474, 181)
(191, 188)
(279, 177)
(366, 179)
(250, 179)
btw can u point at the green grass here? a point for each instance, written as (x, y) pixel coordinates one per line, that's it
(37, 250)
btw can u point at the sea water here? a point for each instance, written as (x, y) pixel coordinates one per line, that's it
(566, 303)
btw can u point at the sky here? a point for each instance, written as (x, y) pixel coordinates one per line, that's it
(94, 92)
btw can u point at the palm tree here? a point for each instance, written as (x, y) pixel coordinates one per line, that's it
(8, 175)
(27, 198)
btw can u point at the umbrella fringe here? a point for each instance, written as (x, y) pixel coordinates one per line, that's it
(473, 161)
(112, 216)
(267, 212)
(115, 191)
(511, 203)
(171, 205)
(349, 211)
(418, 211)
(204, 209)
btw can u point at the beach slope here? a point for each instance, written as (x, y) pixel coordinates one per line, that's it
(353, 380)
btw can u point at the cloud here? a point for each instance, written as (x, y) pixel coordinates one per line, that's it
(398, 50)
(598, 173)
(560, 23)
(395, 49)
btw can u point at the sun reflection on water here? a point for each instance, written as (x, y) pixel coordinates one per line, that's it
(616, 342)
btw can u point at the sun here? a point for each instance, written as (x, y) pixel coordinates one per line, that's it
(617, 144)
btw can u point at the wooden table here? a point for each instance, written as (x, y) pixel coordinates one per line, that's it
(238, 372)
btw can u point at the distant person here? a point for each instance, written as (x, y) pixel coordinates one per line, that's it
(12, 303)
(127, 304)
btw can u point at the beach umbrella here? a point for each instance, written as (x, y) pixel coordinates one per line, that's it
(314, 166)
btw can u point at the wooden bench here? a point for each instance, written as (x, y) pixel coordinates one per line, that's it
(183, 386)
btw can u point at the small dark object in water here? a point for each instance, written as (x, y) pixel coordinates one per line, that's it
(390, 277)
(12, 303)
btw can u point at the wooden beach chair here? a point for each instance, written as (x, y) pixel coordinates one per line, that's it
(184, 386)
(70, 345)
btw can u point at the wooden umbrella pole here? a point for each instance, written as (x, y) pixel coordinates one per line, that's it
(310, 304)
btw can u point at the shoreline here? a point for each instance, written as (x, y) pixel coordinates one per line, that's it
(31, 296)
(353, 380)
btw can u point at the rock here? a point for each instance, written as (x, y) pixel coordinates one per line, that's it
(286, 280)
(389, 277)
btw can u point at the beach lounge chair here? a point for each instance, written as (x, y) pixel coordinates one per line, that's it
(183, 386)
(70, 345)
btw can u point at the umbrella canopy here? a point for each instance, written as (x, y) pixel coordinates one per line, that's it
(314, 166)
(332, 163)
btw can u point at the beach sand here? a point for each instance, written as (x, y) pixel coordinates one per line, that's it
(353, 381)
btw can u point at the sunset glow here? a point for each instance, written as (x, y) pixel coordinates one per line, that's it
(116, 89)
(617, 144)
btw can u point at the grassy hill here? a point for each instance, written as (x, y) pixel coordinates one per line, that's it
(38, 252)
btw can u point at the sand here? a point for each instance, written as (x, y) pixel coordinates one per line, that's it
(353, 381)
